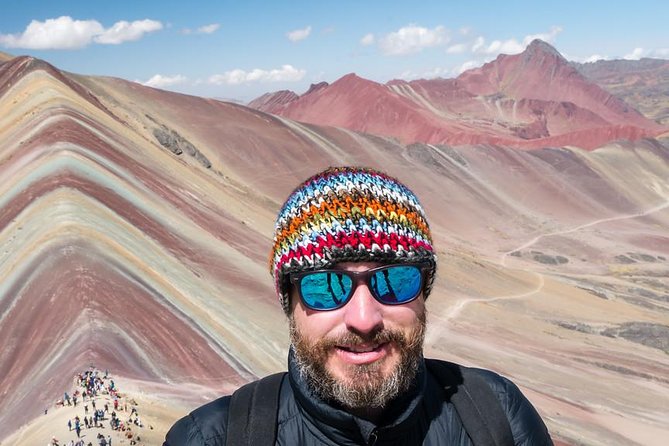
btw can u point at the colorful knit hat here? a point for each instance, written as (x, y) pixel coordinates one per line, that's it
(347, 214)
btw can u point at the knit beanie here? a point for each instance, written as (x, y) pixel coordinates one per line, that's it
(349, 214)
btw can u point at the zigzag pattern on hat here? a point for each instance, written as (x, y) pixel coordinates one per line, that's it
(348, 214)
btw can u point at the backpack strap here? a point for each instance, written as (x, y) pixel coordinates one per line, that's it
(252, 415)
(477, 405)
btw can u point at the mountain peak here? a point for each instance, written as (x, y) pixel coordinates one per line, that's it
(538, 47)
(315, 87)
(273, 102)
(350, 76)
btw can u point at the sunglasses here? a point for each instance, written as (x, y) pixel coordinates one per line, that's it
(329, 289)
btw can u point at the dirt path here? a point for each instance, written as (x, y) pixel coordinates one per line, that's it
(458, 306)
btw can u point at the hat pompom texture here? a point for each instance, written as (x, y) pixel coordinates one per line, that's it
(349, 214)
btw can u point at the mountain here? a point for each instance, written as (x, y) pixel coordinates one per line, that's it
(5, 57)
(529, 100)
(273, 102)
(644, 84)
(135, 226)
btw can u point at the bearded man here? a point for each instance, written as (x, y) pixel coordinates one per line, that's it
(353, 264)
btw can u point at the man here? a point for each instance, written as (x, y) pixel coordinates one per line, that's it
(353, 263)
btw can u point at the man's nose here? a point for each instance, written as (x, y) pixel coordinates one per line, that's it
(363, 313)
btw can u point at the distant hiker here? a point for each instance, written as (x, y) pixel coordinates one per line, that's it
(352, 265)
(115, 403)
(86, 409)
(109, 440)
(86, 422)
(106, 408)
(46, 409)
(69, 425)
(93, 404)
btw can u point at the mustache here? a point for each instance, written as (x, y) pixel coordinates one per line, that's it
(350, 338)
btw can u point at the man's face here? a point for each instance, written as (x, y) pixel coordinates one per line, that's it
(363, 354)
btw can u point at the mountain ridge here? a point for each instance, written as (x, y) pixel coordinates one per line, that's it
(529, 100)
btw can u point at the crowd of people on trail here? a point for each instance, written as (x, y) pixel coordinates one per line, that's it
(93, 392)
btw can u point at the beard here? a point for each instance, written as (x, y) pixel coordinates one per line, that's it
(365, 386)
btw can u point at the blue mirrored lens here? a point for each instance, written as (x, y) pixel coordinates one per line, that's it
(397, 284)
(325, 290)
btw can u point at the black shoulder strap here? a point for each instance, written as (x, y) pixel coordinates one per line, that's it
(479, 409)
(252, 416)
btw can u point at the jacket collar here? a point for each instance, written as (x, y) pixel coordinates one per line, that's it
(345, 428)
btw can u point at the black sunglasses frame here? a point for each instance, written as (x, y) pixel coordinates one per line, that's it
(358, 277)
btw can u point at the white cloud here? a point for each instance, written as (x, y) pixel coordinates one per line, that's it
(594, 58)
(637, 54)
(478, 44)
(465, 30)
(436, 72)
(160, 81)
(208, 29)
(287, 73)
(60, 33)
(546, 37)
(440, 71)
(205, 29)
(512, 46)
(412, 39)
(66, 33)
(466, 66)
(127, 31)
(458, 48)
(299, 34)
(368, 39)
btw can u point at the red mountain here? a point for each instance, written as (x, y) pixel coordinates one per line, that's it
(529, 100)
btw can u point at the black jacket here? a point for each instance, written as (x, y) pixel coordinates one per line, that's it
(422, 416)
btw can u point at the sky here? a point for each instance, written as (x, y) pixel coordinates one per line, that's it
(238, 50)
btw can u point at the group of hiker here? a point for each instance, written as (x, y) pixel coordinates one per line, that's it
(90, 386)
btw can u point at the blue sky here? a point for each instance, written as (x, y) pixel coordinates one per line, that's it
(241, 49)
